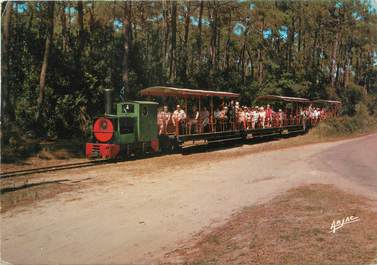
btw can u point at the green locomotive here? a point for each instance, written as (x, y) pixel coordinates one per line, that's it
(128, 128)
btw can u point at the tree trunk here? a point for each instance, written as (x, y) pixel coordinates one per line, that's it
(126, 46)
(243, 62)
(80, 47)
(7, 110)
(48, 44)
(63, 21)
(251, 63)
(218, 46)
(227, 47)
(166, 33)
(200, 32)
(80, 17)
(291, 39)
(31, 18)
(299, 34)
(260, 65)
(172, 68)
(333, 68)
(187, 28)
(347, 71)
(91, 16)
(212, 14)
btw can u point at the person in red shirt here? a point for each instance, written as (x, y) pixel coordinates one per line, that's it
(269, 115)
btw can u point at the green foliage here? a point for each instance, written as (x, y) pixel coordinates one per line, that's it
(351, 96)
(372, 104)
(361, 122)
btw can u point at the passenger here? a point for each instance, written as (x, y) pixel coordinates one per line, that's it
(193, 119)
(269, 115)
(256, 117)
(281, 118)
(246, 111)
(249, 117)
(231, 115)
(242, 118)
(311, 109)
(307, 113)
(237, 106)
(179, 118)
(217, 116)
(291, 118)
(315, 116)
(275, 119)
(311, 114)
(237, 113)
(204, 116)
(262, 115)
(224, 118)
(163, 118)
(322, 114)
(302, 117)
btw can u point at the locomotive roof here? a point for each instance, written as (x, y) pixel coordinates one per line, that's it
(142, 102)
(283, 98)
(336, 102)
(184, 92)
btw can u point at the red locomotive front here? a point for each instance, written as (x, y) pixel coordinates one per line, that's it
(103, 132)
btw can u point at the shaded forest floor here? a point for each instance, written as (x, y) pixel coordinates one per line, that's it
(31, 152)
(293, 228)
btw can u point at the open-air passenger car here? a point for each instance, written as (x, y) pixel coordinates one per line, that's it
(224, 129)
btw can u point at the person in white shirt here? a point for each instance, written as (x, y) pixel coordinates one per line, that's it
(315, 114)
(179, 118)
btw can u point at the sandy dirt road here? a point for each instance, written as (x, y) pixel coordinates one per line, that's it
(136, 218)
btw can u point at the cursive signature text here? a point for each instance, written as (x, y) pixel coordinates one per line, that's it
(340, 223)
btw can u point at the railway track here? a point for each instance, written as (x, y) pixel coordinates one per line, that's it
(30, 171)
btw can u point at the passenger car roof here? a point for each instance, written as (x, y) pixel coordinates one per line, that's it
(336, 102)
(282, 98)
(142, 102)
(184, 92)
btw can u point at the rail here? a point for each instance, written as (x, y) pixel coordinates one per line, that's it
(30, 171)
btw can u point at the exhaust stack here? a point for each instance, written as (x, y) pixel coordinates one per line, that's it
(108, 101)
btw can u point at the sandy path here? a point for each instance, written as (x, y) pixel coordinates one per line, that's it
(136, 220)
